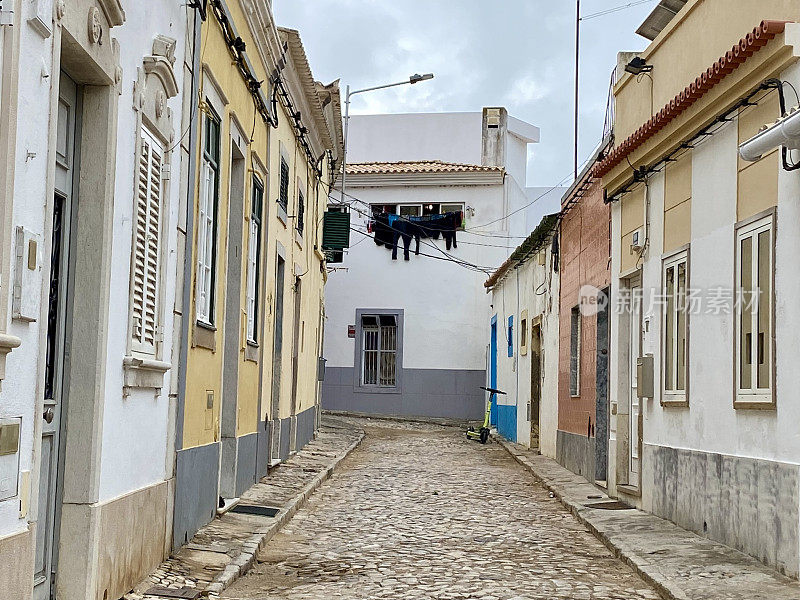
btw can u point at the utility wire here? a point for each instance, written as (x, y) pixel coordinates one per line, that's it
(608, 11)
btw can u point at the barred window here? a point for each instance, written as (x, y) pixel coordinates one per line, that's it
(379, 350)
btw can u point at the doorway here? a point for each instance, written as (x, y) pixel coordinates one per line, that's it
(298, 290)
(493, 369)
(277, 363)
(233, 311)
(50, 473)
(601, 396)
(634, 413)
(536, 383)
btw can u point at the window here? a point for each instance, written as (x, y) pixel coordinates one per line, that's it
(510, 338)
(379, 349)
(675, 326)
(409, 210)
(145, 286)
(446, 208)
(207, 222)
(523, 333)
(254, 259)
(754, 322)
(301, 209)
(283, 199)
(575, 352)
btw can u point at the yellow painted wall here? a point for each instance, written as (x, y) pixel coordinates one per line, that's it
(678, 203)
(204, 366)
(632, 218)
(300, 258)
(758, 181)
(703, 32)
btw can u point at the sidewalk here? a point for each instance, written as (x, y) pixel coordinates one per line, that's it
(678, 563)
(225, 549)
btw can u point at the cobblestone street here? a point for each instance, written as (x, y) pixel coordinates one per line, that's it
(420, 512)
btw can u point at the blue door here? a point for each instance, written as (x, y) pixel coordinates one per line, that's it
(493, 368)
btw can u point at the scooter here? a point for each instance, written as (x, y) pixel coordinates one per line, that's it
(482, 434)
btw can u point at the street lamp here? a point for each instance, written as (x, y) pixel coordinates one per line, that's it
(416, 78)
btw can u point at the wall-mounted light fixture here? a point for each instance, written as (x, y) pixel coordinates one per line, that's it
(638, 65)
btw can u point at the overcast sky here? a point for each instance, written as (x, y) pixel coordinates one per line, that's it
(513, 53)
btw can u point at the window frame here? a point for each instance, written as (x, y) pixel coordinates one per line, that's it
(255, 234)
(524, 333)
(754, 397)
(462, 208)
(510, 335)
(205, 315)
(575, 351)
(284, 183)
(300, 211)
(675, 397)
(358, 385)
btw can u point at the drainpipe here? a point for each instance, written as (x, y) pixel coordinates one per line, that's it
(187, 263)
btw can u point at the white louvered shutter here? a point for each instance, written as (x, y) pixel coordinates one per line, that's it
(147, 245)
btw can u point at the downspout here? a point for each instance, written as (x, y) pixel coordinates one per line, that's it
(188, 261)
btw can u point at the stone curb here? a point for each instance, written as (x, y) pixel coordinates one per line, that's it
(242, 563)
(656, 581)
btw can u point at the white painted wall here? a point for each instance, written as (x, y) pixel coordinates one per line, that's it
(135, 432)
(445, 305)
(19, 390)
(451, 137)
(533, 288)
(711, 424)
(134, 447)
(439, 297)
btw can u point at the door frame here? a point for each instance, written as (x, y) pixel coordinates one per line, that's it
(535, 351)
(66, 293)
(493, 368)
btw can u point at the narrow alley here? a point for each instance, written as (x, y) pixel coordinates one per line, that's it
(417, 511)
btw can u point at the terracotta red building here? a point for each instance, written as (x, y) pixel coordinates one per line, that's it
(582, 437)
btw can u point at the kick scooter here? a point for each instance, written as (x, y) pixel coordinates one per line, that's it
(482, 434)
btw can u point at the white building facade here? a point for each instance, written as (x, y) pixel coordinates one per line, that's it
(91, 109)
(704, 245)
(524, 337)
(408, 338)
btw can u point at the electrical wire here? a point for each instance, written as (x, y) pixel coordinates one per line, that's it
(608, 11)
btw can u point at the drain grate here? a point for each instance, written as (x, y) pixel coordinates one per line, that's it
(609, 505)
(253, 509)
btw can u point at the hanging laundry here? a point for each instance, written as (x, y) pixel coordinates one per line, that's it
(383, 232)
(406, 230)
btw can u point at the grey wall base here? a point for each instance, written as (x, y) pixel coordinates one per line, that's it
(576, 453)
(748, 504)
(286, 438)
(196, 485)
(246, 462)
(262, 450)
(442, 393)
(305, 427)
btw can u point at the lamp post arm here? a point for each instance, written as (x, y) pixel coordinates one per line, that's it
(378, 87)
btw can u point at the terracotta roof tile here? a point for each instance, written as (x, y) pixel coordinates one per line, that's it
(419, 166)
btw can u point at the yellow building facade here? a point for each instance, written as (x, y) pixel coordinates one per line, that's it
(268, 140)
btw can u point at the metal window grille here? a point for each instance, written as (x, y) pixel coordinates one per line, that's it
(575, 352)
(379, 350)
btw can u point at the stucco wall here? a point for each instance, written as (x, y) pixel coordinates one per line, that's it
(733, 450)
(584, 261)
(532, 289)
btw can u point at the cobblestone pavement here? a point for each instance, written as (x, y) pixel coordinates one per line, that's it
(225, 547)
(423, 513)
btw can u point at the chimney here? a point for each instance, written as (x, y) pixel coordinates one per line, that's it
(493, 141)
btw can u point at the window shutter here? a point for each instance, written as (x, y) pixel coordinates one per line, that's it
(147, 245)
(251, 280)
